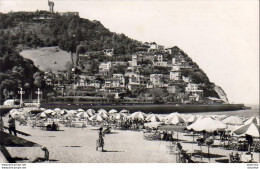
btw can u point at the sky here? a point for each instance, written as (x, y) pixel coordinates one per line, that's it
(221, 36)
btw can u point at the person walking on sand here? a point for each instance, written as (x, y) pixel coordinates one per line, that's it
(100, 141)
(11, 123)
(45, 158)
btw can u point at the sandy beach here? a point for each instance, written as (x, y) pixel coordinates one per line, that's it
(77, 145)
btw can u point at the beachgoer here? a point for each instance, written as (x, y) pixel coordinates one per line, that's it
(54, 126)
(1, 124)
(249, 139)
(100, 141)
(183, 155)
(11, 123)
(46, 156)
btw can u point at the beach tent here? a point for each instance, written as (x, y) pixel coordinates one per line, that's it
(112, 111)
(102, 111)
(9, 102)
(57, 110)
(48, 111)
(63, 112)
(97, 117)
(72, 112)
(152, 125)
(153, 118)
(124, 111)
(90, 112)
(103, 114)
(207, 124)
(42, 114)
(233, 120)
(42, 109)
(251, 120)
(80, 110)
(192, 119)
(138, 115)
(120, 116)
(176, 119)
(173, 114)
(83, 115)
(221, 117)
(249, 129)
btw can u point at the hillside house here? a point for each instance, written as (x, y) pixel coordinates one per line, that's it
(193, 90)
(156, 80)
(108, 52)
(104, 68)
(158, 61)
(175, 73)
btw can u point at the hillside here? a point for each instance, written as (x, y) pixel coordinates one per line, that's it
(35, 34)
(48, 58)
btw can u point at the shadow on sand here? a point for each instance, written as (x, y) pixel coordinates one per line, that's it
(206, 155)
(72, 146)
(222, 161)
(109, 151)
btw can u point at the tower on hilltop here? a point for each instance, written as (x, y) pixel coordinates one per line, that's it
(51, 6)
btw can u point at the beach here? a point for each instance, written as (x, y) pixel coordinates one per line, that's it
(78, 145)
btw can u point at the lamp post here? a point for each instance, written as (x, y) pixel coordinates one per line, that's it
(38, 93)
(21, 92)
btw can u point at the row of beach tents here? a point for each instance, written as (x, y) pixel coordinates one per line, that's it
(208, 123)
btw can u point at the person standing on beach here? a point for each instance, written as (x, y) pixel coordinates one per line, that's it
(11, 123)
(100, 141)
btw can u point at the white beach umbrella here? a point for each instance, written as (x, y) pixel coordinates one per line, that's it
(97, 117)
(112, 111)
(13, 111)
(120, 116)
(207, 124)
(251, 120)
(70, 114)
(234, 120)
(57, 110)
(72, 111)
(172, 114)
(192, 119)
(153, 118)
(138, 115)
(63, 112)
(91, 112)
(102, 111)
(83, 115)
(80, 110)
(249, 129)
(153, 124)
(48, 111)
(124, 111)
(175, 120)
(42, 109)
(103, 114)
(42, 114)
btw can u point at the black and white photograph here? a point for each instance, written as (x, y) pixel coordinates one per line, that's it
(129, 81)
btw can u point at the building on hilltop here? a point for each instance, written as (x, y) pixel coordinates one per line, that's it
(69, 13)
(51, 6)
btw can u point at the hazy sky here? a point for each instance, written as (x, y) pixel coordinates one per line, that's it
(221, 36)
